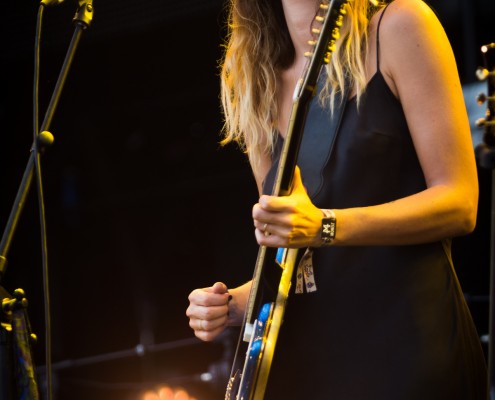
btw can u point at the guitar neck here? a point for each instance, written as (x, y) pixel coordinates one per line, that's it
(250, 381)
(281, 187)
(304, 92)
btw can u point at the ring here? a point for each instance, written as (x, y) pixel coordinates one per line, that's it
(265, 232)
(201, 325)
(263, 229)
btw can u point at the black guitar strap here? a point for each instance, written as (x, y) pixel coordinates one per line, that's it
(320, 133)
(317, 144)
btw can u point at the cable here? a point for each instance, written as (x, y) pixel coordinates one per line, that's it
(41, 205)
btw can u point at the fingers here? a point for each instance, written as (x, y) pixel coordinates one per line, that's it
(207, 322)
(287, 221)
(208, 329)
(273, 236)
(297, 183)
(219, 288)
(195, 311)
(209, 336)
(207, 325)
(212, 296)
(284, 203)
(272, 218)
(208, 311)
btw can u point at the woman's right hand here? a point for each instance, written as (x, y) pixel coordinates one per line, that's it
(214, 308)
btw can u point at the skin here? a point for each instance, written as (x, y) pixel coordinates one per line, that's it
(415, 56)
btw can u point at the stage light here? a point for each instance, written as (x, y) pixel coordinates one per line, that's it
(150, 395)
(166, 392)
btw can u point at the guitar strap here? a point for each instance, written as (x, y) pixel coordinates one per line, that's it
(317, 144)
(320, 133)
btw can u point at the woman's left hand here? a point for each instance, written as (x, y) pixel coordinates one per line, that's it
(288, 221)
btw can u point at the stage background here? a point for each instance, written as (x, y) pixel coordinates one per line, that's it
(142, 203)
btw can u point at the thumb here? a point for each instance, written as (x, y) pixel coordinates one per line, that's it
(297, 184)
(219, 288)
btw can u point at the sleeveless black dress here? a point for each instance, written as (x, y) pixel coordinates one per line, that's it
(386, 322)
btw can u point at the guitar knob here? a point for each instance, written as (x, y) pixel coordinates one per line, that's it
(482, 74)
(480, 122)
(481, 98)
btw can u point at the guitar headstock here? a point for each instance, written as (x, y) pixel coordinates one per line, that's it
(487, 72)
(333, 15)
(326, 31)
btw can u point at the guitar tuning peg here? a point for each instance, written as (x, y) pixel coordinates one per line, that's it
(319, 18)
(315, 31)
(482, 74)
(480, 122)
(481, 98)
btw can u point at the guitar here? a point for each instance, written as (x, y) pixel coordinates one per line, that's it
(488, 73)
(250, 372)
(485, 155)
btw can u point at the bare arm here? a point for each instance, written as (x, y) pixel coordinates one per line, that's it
(419, 66)
(213, 308)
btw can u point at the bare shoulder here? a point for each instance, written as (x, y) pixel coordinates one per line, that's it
(409, 23)
(409, 15)
(412, 42)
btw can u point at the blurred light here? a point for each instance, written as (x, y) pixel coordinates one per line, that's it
(150, 395)
(165, 392)
(206, 377)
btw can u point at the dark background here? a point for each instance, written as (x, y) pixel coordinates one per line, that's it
(142, 203)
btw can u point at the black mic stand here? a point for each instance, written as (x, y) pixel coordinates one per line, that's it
(485, 155)
(82, 20)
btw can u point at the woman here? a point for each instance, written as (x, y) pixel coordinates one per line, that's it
(388, 319)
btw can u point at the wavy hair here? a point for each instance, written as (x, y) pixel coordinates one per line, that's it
(258, 46)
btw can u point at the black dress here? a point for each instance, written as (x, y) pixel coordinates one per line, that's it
(386, 322)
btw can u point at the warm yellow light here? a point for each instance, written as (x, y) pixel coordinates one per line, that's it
(150, 395)
(181, 395)
(166, 393)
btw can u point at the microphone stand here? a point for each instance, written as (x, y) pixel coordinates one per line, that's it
(82, 20)
(485, 155)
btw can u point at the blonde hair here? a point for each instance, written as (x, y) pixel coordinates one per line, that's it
(258, 47)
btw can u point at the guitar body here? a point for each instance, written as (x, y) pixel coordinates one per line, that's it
(261, 329)
(251, 383)
(273, 327)
(255, 352)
